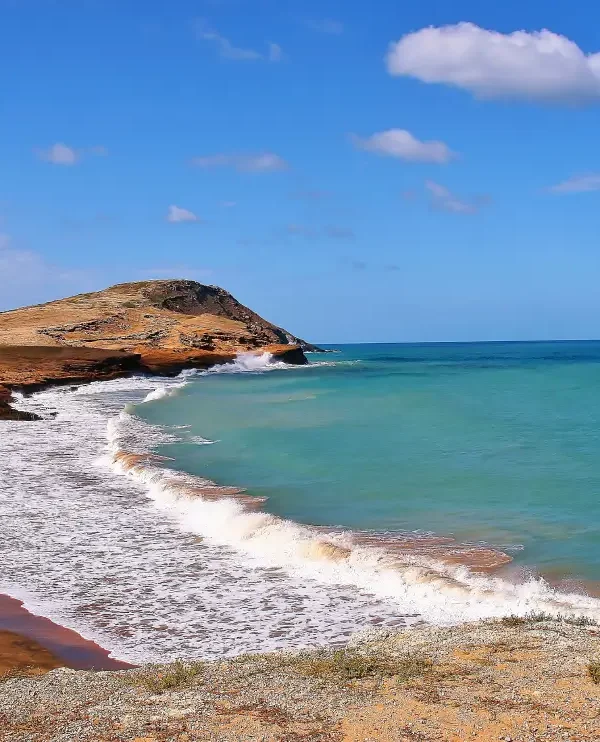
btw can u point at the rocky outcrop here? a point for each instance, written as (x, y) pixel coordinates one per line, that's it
(137, 317)
(10, 413)
(31, 367)
(155, 326)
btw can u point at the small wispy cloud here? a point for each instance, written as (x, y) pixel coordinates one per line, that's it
(339, 233)
(227, 204)
(275, 53)
(443, 199)
(177, 215)
(332, 231)
(314, 195)
(358, 265)
(301, 230)
(402, 144)
(59, 154)
(326, 26)
(578, 184)
(262, 162)
(227, 50)
(98, 151)
(62, 154)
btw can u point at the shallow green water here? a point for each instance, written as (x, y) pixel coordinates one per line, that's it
(493, 442)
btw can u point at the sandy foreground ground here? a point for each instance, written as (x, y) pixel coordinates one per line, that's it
(514, 680)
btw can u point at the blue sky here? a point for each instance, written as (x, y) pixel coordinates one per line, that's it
(380, 172)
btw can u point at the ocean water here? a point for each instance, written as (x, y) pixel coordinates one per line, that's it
(264, 506)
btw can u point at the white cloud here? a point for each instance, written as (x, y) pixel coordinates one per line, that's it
(327, 26)
(275, 53)
(578, 184)
(444, 200)
(540, 66)
(227, 204)
(227, 50)
(333, 231)
(176, 215)
(262, 162)
(61, 154)
(402, 144)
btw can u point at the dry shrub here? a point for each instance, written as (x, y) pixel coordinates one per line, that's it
(345, 664)
(161, 678)
(541, 617)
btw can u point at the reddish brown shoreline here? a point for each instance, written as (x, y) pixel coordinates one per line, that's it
(64, 645)
(30, 369)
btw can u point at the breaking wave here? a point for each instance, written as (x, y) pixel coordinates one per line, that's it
(435, 578)
(249, 363)
(155, 563)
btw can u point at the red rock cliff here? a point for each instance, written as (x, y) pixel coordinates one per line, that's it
(159, 326)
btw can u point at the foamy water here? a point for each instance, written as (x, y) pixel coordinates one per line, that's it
(100, 535)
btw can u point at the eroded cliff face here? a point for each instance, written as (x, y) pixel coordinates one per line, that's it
(157, 326)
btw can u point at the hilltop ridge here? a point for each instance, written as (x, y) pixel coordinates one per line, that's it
(141, 315)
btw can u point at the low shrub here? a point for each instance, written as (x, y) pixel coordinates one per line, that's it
(161, 678)
(594, 672)
(345, 664)
(541, 617)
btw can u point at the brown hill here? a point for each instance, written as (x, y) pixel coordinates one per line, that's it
(158, 326)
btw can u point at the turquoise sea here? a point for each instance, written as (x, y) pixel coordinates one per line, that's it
(262, 506)
(486, 442)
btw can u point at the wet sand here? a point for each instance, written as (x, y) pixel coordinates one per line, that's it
(30, 640)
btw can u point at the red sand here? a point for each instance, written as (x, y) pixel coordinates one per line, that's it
(67, 646)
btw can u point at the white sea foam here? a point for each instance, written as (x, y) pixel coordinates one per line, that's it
(249, 363)
(157, 393)
(441, 593)
(199, 440)
(153, 570)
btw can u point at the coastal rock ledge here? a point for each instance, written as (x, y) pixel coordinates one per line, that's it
(158, 327)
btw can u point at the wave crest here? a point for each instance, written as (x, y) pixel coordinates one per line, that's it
(436, 578)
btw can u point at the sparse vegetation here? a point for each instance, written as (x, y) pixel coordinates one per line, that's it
(540, 617)
(345, 664)
(161, 678)
(513, 621)
(19, 672)
(594, 672)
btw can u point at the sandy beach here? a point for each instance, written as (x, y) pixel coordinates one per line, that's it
(27, 640)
